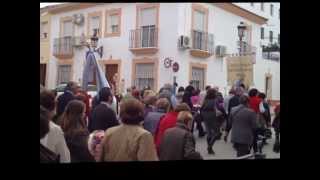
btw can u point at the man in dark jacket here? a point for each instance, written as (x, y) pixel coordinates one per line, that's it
(103, 117)
(69, 94)
(178, 142)
(242, 120)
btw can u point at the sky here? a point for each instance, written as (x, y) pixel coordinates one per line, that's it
(47, 4)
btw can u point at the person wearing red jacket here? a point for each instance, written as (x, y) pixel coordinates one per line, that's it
(169, 120)
(254, 100)
(256, 104)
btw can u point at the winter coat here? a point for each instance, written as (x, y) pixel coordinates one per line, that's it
(128, 143)
(178, 143)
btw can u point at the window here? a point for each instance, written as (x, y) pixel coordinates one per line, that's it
(262, 33)
(64, 73)
(44, 30)
(197, 78)
(148, 26)
(199, 20)
(279, 13)
(113, 22)
(271, 36)
(67, 28)
(145, 75)
(94, 25)
(148, 17)
(271, 9)
(262, 7)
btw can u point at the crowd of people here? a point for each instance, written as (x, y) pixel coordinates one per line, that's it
(143, 125)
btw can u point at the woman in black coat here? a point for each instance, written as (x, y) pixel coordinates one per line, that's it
(208, 113)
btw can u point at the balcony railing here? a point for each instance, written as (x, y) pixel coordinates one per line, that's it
(247, 49)
(144, 38)
(274, 56)
(202, 43)
(63, 47)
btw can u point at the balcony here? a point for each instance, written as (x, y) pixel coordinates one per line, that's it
(271, 52)
(202, 44)
(273, 56)
(144, 40)
(63, 47)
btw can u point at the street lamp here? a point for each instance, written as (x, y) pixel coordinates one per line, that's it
(241, 30)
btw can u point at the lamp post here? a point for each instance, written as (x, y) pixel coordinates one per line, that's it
(241, 30)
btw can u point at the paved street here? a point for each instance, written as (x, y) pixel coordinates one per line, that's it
(225, 150)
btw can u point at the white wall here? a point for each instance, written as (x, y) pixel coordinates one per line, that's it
(174, 20)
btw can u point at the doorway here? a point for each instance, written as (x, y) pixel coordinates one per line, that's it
(43, 72)
(111, 70)
(268, 86)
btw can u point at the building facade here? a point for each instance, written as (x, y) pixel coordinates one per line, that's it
(141, 40)
(44, 46)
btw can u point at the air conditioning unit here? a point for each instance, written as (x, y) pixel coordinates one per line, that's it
(78, 19)
(184, 42)
(221, 51)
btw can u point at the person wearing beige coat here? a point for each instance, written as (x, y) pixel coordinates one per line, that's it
(129, 141)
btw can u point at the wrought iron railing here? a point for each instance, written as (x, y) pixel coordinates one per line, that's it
(202, 41)
(146, 37)
(274, 56)
(247, 49)
(63, 46)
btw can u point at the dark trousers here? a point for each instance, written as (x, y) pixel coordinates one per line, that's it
(212, 133)
(255, 139)
(197, 119)
(277, 135)
(242, 149)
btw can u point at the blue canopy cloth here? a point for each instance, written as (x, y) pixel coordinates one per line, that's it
(92, 68)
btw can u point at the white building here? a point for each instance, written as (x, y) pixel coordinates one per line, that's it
(138, 37)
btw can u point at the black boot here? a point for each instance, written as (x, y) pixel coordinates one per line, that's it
(201, 134)
(210, 151)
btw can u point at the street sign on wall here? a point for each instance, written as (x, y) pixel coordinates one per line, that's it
(175, 67)
(240, 67)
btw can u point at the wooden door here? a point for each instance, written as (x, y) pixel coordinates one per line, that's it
(111, 70)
